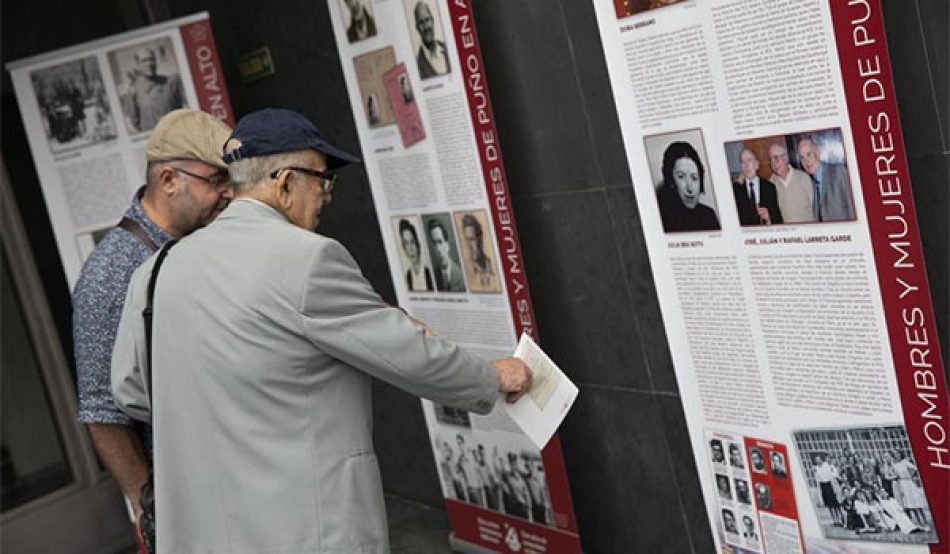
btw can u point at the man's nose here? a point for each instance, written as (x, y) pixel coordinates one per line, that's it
(228, 192)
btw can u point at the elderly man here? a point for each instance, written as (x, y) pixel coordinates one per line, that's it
(186, 187)
(796, 196)
(832, 185)
(265, 340)
(151, 95)
(432, 58)
(756, 199)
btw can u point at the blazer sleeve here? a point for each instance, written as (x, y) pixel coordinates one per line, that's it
(129, 372)
(775, 211)
(343, 317)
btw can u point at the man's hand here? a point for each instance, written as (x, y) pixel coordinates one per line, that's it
(764, 216)
(514, 378)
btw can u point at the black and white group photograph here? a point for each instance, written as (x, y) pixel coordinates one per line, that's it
(74, 106)
(493, 471)
(864, 484)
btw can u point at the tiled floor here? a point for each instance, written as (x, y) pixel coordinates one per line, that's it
(413, 528)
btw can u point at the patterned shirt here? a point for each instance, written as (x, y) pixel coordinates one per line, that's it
(97, 307)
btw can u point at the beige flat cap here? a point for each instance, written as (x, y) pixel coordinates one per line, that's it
(188, 134)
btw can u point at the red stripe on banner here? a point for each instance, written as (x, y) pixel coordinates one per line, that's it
(486, 136)
(882, 161)
(556, 474)
(206, 70)
(509, 249)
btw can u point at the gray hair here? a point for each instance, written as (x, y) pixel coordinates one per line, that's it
(247, 173)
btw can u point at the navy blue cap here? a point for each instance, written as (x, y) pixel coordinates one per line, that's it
(276, 131)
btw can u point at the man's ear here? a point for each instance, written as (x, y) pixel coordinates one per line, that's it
(166, 179)
(284, 196)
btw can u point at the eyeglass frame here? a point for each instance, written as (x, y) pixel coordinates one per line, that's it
(216, 180)
(328, 177)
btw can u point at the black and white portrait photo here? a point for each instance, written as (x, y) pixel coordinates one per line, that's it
(682, 182)
(428, 38)
(358, 19)
(742, 491)
(440, 239)
(478, 253)
(735, 456)
(716, 452)
(415, 261)
(148, 81)
(729, 522)
(722, 485)
(757, 460)
(777, 461)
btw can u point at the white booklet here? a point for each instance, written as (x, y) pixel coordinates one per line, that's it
(540, 412)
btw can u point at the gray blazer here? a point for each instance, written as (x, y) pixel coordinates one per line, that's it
(266, 337)
(836, 201)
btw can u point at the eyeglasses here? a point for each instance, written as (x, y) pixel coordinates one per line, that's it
(216, 180)
(328, 177)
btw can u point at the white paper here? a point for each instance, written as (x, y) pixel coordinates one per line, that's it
(540, 412)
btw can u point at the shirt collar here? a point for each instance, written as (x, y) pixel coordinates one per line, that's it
(137, 213)
(436, 57)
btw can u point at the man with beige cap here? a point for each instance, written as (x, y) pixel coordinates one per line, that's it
(186, 187)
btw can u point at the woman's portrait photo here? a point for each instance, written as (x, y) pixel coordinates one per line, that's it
(414, 260)
(683, 191)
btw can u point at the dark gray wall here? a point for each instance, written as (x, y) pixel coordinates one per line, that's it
(630, 464)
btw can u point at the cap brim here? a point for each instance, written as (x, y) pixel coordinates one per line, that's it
(337, 158)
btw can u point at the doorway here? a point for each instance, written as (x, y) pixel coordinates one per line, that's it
(54, 495)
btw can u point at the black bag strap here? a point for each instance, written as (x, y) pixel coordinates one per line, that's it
(133, 227)
(147, 312)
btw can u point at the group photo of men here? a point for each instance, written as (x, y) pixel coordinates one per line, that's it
(795, 178)
(498, 472)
